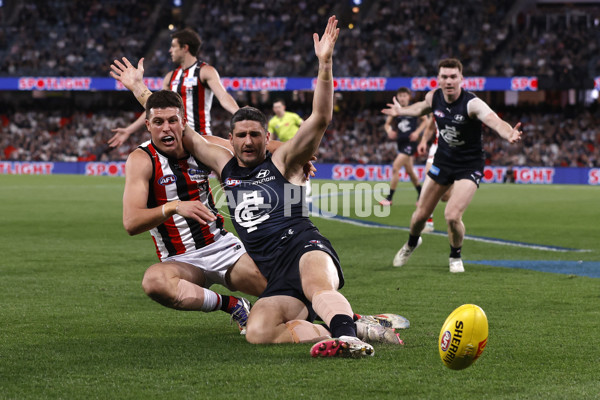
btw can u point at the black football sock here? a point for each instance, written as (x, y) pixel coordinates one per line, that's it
(391, 195)
(342, 325)
(455, 252)
(413, 240)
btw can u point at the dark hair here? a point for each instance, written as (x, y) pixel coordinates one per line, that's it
(164, 99)
(189, 37)
(249, 114)
(450, 63)
(279, 100)
(403, 90)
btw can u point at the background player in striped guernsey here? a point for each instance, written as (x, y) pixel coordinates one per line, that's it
(459, 158)
(194, 80)
(406, 132)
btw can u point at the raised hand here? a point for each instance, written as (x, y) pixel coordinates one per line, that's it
(127, 74)
(324, 46)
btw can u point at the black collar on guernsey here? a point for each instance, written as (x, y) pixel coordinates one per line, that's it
(167, 156)
(248, 171)
(462, 93)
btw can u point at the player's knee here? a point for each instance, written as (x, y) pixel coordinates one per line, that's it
(258, 333)
(153, 282)
(452, 218)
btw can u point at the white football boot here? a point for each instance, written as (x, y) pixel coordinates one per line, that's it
(456, 265)
(404, 253)
(371, 331)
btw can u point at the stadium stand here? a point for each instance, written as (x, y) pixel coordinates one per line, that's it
(262, 38)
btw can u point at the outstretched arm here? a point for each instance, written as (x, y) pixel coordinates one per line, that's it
(292, 156)
(417, 109)
(479, 109)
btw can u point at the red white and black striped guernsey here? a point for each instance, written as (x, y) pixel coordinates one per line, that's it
(184, 179)
(197, 98)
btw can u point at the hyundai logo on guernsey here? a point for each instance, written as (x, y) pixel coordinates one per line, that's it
(167, 180)
(459, 118)
(263, 173)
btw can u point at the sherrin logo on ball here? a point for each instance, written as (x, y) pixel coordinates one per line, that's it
(463, 336)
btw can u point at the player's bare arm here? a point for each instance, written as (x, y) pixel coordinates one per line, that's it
(417, 109)
(392, 134)
(122, 134)
(296, 152)
(480, 110)
(427, 135)
(423, 123)
(137, 217)
(210, 75)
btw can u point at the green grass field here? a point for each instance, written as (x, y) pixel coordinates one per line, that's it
(75, 323)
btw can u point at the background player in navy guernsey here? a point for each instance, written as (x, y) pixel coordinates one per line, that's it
(301, 267)
(167, 192)
(406, 131)
(194, 80)
(459, 158)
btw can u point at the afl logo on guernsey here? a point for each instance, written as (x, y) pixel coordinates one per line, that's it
(167, 180)
(439, 114)
(232, 182)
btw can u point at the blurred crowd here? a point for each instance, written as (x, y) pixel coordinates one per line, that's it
(356, 135)
(266, 38)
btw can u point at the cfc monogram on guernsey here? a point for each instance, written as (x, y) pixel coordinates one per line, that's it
(197, 99)
(459, 135)
(184, 179)
(261, 203)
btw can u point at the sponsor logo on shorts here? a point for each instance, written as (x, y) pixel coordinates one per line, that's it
(434, 170)
(445, 342)
(167, 180)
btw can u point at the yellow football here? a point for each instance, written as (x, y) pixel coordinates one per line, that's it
(463, 336)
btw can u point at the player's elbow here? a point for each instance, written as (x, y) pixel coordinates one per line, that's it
(322, 120)
(130, 227)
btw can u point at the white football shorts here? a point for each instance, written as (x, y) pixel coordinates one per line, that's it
(215, 259)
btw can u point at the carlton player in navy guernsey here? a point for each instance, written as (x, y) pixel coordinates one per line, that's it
(406, 131)
(265, 197)
(458, 160)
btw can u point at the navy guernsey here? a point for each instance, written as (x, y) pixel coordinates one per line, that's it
(404, 126)
(264, 206)
(459, 135)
